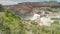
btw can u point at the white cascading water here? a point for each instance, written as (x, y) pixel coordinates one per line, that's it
(46, 21)
(42, 20)
(35, 16)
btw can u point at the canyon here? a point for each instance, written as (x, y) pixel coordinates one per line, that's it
(41, 12)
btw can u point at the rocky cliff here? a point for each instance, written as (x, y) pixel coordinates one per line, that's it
(28, 8)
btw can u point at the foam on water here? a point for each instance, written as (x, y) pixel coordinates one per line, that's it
(42, 20)
(35, 16)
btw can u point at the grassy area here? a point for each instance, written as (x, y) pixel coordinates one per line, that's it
(12, 24)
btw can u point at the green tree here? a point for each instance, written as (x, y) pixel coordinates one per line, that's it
(12, 21)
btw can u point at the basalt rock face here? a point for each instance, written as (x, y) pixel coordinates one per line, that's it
(28, 8)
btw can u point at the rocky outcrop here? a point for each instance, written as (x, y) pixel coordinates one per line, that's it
(28, 8)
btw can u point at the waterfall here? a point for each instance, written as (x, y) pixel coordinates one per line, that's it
(35, 16)
(45, 20)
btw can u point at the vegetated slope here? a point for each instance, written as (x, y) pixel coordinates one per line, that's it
(12, 24)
